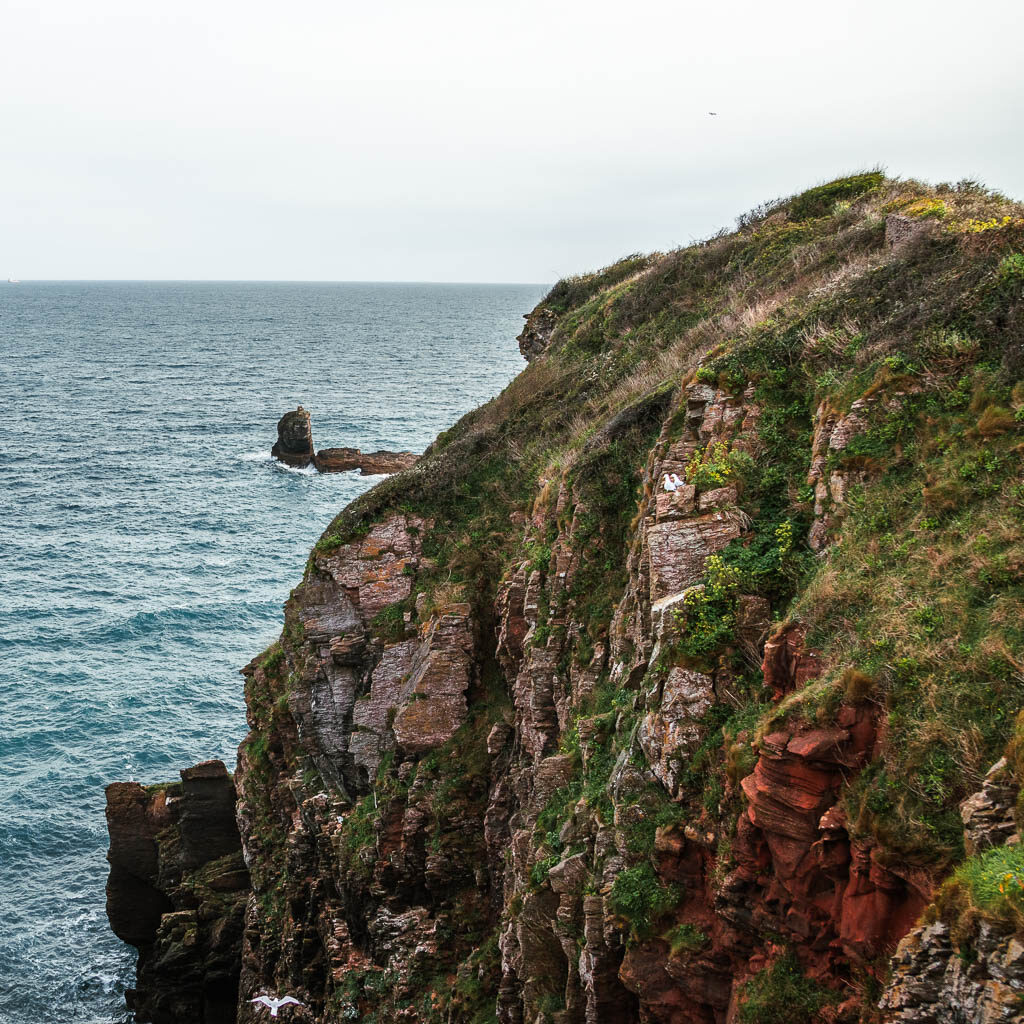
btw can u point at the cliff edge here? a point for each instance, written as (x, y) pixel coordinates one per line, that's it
(672, 685)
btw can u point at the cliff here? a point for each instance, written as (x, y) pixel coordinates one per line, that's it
(672, 684)
(177, 891)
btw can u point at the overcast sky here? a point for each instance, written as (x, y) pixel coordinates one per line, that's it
(451, 141)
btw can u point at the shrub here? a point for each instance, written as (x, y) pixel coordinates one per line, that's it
(686, 938)
(819, 201)
(1012, 267)
(708, 614)
(783, 994)
(927, 208)
(710, 467)
(272, 659)
(572, 292)
(640, 896)
(389, 623)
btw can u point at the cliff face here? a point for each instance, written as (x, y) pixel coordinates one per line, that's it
(177, 891)
(653, 691)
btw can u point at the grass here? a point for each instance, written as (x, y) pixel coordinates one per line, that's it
(782, 994)
(916, 608)
(988, 886)
(924, 597)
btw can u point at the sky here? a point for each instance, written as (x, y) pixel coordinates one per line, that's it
(468, 141)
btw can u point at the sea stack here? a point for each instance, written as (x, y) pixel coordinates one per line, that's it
(294, 445)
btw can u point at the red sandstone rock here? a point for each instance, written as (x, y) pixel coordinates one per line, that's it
(344, 460)
(787, 664)
(433, 701)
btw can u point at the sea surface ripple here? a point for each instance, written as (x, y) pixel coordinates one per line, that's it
(147, 543)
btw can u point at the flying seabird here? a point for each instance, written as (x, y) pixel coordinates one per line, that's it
(275, 1004)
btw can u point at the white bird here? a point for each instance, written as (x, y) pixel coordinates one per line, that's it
(670, 484)
(275, 1004)
(677, 481)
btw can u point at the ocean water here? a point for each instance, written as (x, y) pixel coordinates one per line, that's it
(147, 543)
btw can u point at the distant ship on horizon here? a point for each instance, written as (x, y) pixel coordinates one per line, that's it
(13, 280)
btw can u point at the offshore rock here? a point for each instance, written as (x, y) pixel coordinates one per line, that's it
(344, 460)
(177, 891)
(294, 445)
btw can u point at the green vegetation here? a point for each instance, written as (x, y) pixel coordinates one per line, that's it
(641, 897)
(989, 885)
(388, 624)
(782, 994)
(686, 938)
(915, 604)
(821, 201)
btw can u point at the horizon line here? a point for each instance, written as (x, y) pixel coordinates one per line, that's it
(252, 280)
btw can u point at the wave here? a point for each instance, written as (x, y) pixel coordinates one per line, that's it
(268, 458)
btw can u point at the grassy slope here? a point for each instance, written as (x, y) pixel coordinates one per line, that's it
(917, 607)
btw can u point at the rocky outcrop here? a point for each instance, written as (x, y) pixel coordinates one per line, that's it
(969, 970)
(344, 460)
(540, 325)
(933, 982)
(177, 891)
(294, 447)
(988, 815)
(900, 229)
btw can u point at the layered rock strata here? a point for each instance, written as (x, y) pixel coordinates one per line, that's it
(662, 688)
(177, 891)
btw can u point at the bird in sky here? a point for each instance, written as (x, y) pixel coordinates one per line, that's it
(712, 113)
(275, 1004)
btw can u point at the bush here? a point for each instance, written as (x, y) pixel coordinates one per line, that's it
(389, 623)
(817, 202)
(573, 292)
(710, 467)
(686, 938)
(708, 614)
(783, 994)
(640, 896)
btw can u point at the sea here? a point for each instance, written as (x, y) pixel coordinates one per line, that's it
(148, 542)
